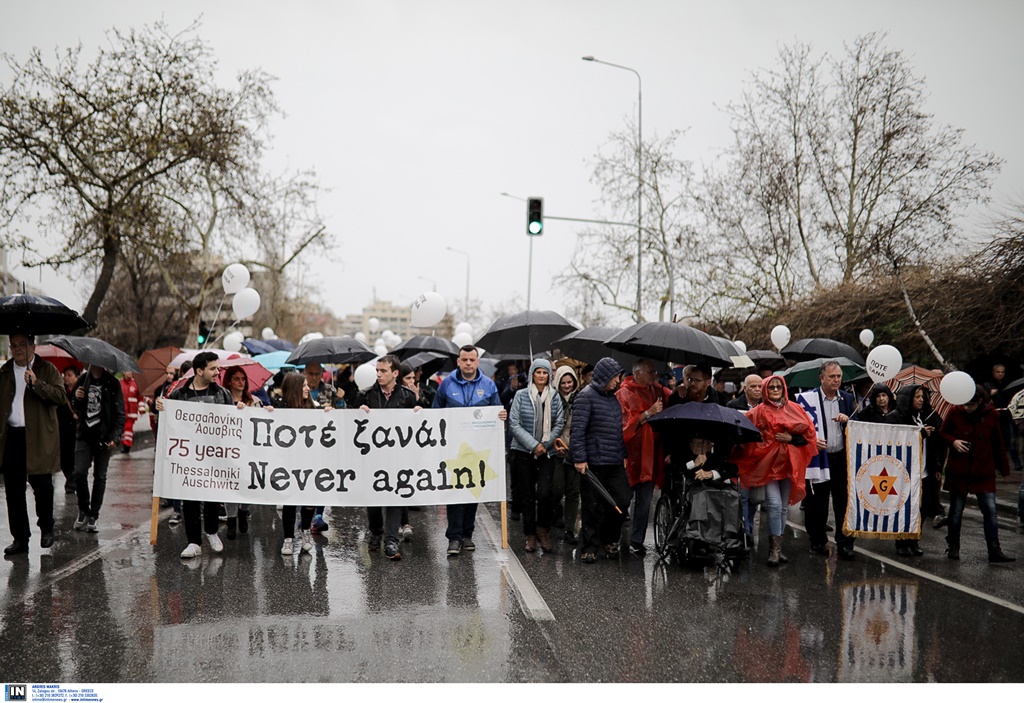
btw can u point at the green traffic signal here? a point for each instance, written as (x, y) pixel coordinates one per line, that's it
(535, 216)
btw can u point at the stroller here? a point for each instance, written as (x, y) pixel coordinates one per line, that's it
(699, 522)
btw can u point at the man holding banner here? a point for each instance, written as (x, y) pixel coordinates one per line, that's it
(201, 388)
(830, 408)
(464, 388)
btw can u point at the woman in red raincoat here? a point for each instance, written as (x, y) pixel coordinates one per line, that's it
(778, 462)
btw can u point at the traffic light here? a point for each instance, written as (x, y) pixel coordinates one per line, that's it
(204, 333)
(535, 216)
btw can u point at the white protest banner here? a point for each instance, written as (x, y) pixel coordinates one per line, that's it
(885, 464)
(342, 457)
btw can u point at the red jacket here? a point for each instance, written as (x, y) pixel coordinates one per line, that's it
(974, 471)
(645, 456)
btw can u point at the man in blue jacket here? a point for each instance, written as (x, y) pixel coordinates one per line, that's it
(465, 387)
(596, 446)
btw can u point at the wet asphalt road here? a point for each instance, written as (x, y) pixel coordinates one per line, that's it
(108, 607)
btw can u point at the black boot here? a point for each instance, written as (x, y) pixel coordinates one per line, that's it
(953, 548)
(232, 527)
(243, 521)
(995, 554)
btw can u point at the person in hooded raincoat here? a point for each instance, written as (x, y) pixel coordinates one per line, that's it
(779, 461)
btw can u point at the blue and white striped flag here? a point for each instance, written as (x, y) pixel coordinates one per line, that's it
(885, 466)
(817, 470)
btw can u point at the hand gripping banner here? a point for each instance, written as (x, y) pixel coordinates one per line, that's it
(885, 466)
(342, 457)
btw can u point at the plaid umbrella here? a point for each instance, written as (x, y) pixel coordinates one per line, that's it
(917, 375)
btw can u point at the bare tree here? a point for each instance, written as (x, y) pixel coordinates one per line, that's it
(89, 145)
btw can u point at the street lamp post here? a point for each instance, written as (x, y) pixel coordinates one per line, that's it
(639, 177)
(465, 313)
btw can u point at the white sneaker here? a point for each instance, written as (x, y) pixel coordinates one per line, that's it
(192, 550)
(286, 548)
(406, 533)
(307, 541)
(215, 544)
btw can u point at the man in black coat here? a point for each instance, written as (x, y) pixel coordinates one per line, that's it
(387, 393)
(750, 396)
(99, 405)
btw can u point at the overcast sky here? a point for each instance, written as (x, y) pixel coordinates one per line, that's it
(417, 115)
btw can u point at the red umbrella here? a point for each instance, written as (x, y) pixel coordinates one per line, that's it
(58, 357)
(929, 379)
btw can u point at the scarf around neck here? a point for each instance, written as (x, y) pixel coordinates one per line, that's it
(541, 412)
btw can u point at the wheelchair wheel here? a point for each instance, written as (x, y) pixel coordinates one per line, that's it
(664, 518)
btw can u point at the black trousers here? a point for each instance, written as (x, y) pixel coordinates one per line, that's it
(601, 523)
(533, 479)
(16, 481)
(816, 511)
(210, 519)
(288, 519)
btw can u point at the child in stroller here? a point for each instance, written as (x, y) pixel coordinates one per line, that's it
(699, 514)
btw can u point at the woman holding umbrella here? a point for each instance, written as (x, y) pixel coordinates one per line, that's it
(779, 460)
(536, 420)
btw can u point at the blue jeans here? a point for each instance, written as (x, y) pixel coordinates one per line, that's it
(776, 501)
(749, 511)
(987, 503)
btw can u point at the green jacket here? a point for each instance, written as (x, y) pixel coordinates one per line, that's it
(42, 440)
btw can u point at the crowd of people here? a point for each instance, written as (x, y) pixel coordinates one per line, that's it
(583, 454)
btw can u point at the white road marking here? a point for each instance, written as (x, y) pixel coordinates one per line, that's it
(931, 577)
(533, 602)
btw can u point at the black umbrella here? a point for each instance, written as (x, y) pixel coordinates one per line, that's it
(430, 362)
(522, 332)
(599, 487)
(426, 343)
(331, 350)
(708, 421)
(670, 341)
(588, 344)
(821, 348)
(93, 351)
(37, 314)
(279, 344)
(767, 358)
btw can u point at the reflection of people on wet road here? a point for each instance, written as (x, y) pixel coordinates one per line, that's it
(596, 446)
(779, 461)
(31, 388)
(976, 451)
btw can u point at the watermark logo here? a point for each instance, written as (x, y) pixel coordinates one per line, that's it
(15, 692)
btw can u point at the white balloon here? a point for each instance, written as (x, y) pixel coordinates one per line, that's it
(397, 339)
(246, 303)
(957, 387)
(268, 333)
(463, 327)
(386, 335)
(867, 337)
(361, 337)
(233, 342)
(380, 350)
(234, 278)
(365, 375)
(310, 335)
(462, 339)
(780, 336)
(428, 309)
(884, 362)
(374, 324)
(741, 345)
